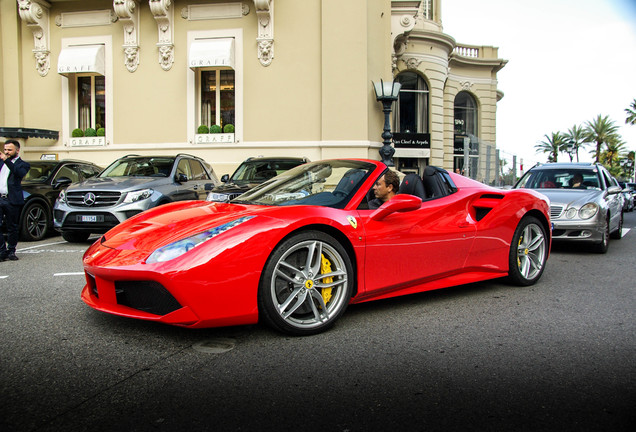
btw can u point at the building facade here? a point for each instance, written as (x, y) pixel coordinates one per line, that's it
(226, 80)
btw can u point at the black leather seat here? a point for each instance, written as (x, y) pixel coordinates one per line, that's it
(412, 184)
(348, 182)
(432, 184)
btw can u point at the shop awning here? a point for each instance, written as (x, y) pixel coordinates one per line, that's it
(81, 59)
(20, 132)
(211, 53)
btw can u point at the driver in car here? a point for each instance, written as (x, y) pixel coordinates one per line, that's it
(385, 188)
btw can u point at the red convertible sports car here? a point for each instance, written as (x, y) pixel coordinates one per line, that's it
(296, 250)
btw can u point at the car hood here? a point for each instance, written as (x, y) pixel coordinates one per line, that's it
(118, 184)
(576, 197)
(171, 222)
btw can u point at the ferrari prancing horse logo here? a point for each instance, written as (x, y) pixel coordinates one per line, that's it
(352, 220)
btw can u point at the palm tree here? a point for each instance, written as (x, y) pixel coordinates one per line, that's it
(553, 145)
(611, 157)
(600, 130)
(576, 136)
(631, 113)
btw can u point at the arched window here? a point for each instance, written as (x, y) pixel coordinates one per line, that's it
(411, 109)
(465, 114)
(466, 132)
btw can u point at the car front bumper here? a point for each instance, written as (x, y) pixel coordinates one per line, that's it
(578, 230)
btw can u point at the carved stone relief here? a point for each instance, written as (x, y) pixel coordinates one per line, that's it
(163, 12)
(128, 13)
(265, 35)
(35, 13)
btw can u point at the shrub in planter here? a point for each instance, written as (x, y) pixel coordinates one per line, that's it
(101, 132)
(228, 128)
(77, 133)
(203, 129)
(215, 129)
(90, 132)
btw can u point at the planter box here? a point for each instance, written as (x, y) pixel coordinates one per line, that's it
(214, 138)
(88, 141)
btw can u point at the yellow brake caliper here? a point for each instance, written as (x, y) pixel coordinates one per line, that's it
(519, 259)
(325, 267)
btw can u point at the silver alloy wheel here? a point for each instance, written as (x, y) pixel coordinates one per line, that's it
(36, 221)
(531, 251)
(304, 294)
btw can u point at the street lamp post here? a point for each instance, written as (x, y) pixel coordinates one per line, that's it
(387, 93)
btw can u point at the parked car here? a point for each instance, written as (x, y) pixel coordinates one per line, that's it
(628, 197)
(251, 173)
(41, 187)
(296, 250)
(127, 187)
(586, 201)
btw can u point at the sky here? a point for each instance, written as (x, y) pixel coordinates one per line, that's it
(568, 62)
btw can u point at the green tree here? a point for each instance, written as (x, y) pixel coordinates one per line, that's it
(631, 113)
(600, 131)
(612, 155)
(576, 136)
(553, 145)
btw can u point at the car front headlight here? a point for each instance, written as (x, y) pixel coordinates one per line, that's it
(138, 195)
(178, 248)
(588, 210)
(62, 196)
(218, 197)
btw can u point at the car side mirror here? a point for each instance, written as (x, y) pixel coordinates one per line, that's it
(181, 178)
(225, 178)
(62, 182)
(399, 203)
(613, 190)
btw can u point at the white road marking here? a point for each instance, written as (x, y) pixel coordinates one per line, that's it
(69, 274)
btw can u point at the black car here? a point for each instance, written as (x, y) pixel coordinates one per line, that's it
(251, 173)
(42, 186)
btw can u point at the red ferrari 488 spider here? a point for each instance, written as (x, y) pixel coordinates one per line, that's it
(296, 250)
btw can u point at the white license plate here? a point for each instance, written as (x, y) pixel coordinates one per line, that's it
(89, 218)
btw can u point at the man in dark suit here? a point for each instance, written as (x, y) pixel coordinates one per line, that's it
(12, 170)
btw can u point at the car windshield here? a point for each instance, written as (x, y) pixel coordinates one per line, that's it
(325, 183)
(258, 171)
(560, 179)
(140, 167)
(40, 171)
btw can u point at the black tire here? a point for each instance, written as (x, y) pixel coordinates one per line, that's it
(75, 236)
(618, 234)
(528, 252)
(602, 246)
(35, 221)
(302, 296)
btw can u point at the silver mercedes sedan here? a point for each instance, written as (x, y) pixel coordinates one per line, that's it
(586, 203)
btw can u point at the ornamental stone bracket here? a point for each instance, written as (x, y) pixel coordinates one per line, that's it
(265, 35)
(163, 12)
(404, 16)
(128, 13)
(35, 13)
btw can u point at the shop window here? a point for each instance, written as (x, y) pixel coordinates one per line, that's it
(465, 114)
(217, 96)
(411, 109)
(91, 102)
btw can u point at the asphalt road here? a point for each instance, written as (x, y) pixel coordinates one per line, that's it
(558, 356)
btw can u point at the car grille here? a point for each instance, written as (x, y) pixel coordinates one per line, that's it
(147, 296)
(555, 211)
(101, 198)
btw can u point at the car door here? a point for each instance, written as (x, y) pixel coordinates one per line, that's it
(614, 201)
(201, 181)
(406, 249)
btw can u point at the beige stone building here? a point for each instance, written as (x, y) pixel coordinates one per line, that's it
(273, 77)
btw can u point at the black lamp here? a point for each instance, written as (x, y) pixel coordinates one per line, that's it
(387, 93)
